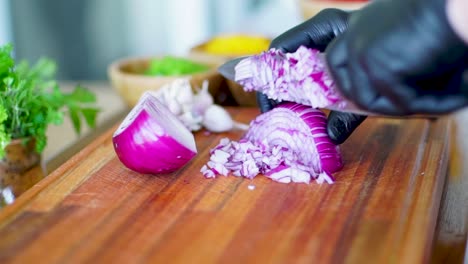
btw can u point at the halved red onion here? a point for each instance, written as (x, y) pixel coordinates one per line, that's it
(152, 140)
(286, 144)
(299, 77)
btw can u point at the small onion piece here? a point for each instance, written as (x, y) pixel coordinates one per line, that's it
(152, 140)
(286, 144)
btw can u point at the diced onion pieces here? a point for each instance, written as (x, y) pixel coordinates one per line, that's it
(286, 144)
(289, 143)
(299, 77)
(152, 140)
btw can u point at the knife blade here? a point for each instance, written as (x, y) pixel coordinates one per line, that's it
(228, 70)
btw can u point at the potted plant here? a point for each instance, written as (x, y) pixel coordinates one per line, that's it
(31, 100)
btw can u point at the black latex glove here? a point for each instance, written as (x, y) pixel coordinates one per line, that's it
(401, 57)
(317, 33)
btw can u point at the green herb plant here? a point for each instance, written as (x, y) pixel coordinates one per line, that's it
(31, 100)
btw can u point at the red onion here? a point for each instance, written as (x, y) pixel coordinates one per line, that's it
(299, 77)
(286, 144)
(153, 140)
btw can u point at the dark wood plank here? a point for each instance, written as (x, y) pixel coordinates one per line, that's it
(450, 245)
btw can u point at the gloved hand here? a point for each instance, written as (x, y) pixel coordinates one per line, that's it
(401, 57)
(317, 33)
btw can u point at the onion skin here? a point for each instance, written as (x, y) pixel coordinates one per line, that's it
(146, 147)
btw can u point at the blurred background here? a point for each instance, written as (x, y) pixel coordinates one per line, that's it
(85, 36)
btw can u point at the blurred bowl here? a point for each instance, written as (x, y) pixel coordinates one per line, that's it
(198, 53)
(310, 8)
(224, 47)
(243, 45)
(126, 76)
(241, 97)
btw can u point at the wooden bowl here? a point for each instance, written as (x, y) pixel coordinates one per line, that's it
(241, 97)
(127, 78)
(198, 53)
(310, 8)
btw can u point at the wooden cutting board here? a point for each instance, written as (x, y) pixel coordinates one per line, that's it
(383, 207)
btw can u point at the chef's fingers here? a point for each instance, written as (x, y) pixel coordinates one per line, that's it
(265, 103)
(341, 125)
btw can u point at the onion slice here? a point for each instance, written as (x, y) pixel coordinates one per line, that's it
(286, 144)
(153, 140)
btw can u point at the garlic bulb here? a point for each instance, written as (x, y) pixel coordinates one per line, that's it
(203, 99)
(195, 109)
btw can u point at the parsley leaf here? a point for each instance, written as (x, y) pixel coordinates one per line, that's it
(30, 100)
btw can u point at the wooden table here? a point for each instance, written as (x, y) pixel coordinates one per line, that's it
(383, 207)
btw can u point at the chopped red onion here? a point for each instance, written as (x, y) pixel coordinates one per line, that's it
(286, 144)
(299, 77)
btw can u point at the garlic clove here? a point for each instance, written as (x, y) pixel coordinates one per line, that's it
(203, 99)
(217, 119)
(191, 121)
(185, 94)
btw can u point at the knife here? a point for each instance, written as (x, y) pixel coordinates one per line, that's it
(228, 70)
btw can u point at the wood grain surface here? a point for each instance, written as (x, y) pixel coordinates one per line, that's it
(451, 234)
(382, 209)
